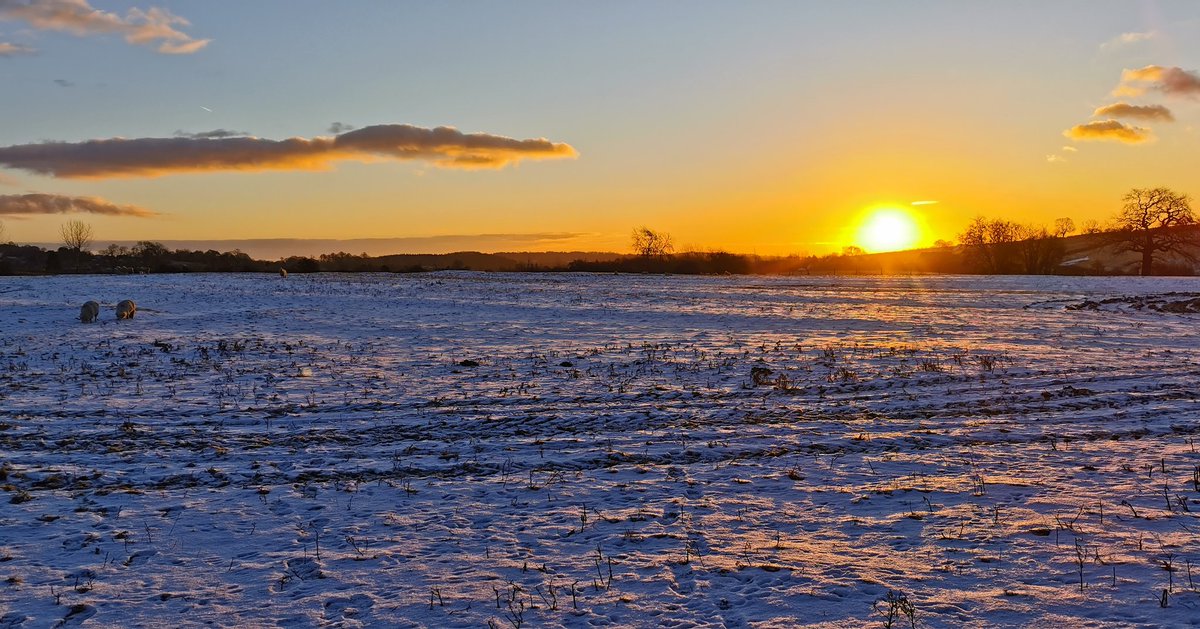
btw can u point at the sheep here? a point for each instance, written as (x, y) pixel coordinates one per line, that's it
(126, 309)
(282, 272)
(89, 312)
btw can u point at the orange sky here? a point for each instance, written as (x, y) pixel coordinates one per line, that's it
(769, 128)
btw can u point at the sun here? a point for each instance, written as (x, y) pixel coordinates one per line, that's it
(888, 229)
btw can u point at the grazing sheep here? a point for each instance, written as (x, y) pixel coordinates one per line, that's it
(89, 312)
(126, 309)
(282, 272)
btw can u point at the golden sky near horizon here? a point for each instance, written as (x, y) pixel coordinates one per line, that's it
(770, 128)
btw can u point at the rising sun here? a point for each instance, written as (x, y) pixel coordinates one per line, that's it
(888, 229)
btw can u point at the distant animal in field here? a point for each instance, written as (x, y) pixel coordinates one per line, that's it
(126, 309)
(282, 272)
(89, 312)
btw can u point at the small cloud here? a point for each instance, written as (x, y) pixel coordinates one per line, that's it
(215, 134)
(341, 127)
(142, 27)
(36, 204)
(1172, 81)
(923, 203)
(1070, 149)
(1056, 159)
(1128, 39)
(1136, 112)
(445, 147)
(12, 50)
(1110, 130)
(63, 83)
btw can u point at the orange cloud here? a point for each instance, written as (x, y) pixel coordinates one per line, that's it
(1137, 112)
(148, 157)
(138, 26)
(1173, 81)
(1109, 130)
(33, 204)
(11, 50)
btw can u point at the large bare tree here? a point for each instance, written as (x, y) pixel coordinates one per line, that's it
(76, 235)
(1156, 220)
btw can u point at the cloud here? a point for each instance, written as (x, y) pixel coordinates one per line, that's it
(1109, 130)
(143, 27)
(215, 134)
(1172, 81)
(32, 204)
(1070, 149)
(1056, 159)
(1136, 112)
(341, 127)
(11, 50)
(445, 147)
(63, 83)
(1128, 39)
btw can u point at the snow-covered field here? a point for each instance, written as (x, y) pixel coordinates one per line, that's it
(461, 449)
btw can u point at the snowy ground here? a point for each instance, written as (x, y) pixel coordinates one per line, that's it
(512, 450)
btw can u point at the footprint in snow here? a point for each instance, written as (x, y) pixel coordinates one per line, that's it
(354, 606)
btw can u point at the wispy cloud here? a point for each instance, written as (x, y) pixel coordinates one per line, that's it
(1110, 130)
(1070, 149)
(36, 204)
(1056, 159)
(341, 127)
(1173, 81)
(215, 134)
(1128, 39)
(923, 203)
(1136, 112)
(143, 27)
(445, 147)
(11, 50)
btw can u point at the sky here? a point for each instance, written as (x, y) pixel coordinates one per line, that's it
(754, 127)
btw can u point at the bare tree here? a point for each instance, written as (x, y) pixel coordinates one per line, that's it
(1040, 251)
(1091, 226)
(1063, 227)
(651, 244)
(77, 235)
(988, 244)
(1155, 220)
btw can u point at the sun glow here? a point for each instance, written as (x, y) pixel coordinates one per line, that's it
(888, 229)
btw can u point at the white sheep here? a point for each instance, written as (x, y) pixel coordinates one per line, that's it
(89, 312)
(282, 272)
(126, 309)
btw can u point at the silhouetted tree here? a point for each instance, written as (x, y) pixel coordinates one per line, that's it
(651, 244)
(1040, 252)
(1063, 227)
(76, 235)
(1156, 220)
(988, 245)
(853, 250)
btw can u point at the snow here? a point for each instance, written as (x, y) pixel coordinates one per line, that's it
(459, 449)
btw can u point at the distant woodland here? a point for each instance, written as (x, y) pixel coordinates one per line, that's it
(1156, 233)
